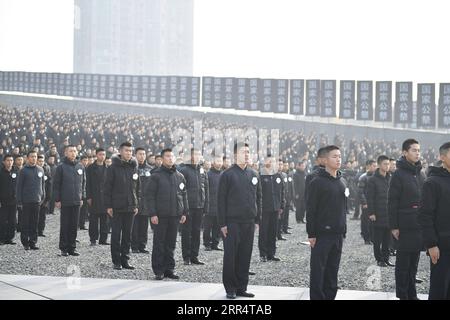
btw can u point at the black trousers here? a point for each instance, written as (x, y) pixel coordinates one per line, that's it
(324, 267)
(440, 278)
(139, 235)
(366, 226)
(29, 224)
(285, 217)
(7, 222)
(238, 247)
(68, 228)
(211, 231)
(94, 220)
(43, 210)
(381, 241)
(122, 224)
(357, 208)
(51, 205)
(164, 241)
(268, 234)
(300, 209)
(190, 234)
(83, 214)
(405, 274)
(19, 219)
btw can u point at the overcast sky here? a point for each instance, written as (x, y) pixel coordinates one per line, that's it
(328, 39)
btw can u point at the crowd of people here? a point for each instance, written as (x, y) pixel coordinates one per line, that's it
(121, 173)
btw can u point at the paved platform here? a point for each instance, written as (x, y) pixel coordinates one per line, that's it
(24, 287)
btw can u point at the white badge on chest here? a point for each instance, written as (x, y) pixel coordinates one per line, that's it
(45, 178)
(135, 176)
(202, 171)
(255, 181)
(285, 179)
(40, 174)
(347, 192)
(182, 186)
(278, 180)
(147, 173)
(13, 175)
(290, 179)
(80, 172)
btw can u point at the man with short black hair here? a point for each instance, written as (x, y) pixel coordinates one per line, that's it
(299, 188)
(366, 230)
(8, 203)
(377, 195)
(211, 229)
(239, 209)
(198, 199)
(30, 195)
(122, 203)
(434, 220)
(84, 161)
(43, 210)
(69, 187)
(326, 225)
(403, 210)
(95, 184)
(139, 236)
(167, 206)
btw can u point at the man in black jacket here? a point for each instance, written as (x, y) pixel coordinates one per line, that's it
(366, 230)
(43, 210)
(299, 188)
(30, 195)
(167, 206)
(273, 202)
(198, 198)
(84, 160)
(122, 203)
(326, 225)
(403, 210)
(377, 195)
(239, 209)
(211, 229)
(139, 236)
(95, 185)
(69, 187)
(51, 163)
(8, 203)
(434, 220)
(289, 195)
(280, 220)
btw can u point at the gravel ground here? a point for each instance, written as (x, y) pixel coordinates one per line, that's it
(358, 270)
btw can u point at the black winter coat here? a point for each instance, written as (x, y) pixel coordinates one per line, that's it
(213, 180)
(377, 198)
(197, 186)
(434, 216)
(239, 198)
(8, 181)
(69, 183)
(273, 192)
(95, 187)
(166, 194)
(403, 204)
(326, 204)
(122, 185)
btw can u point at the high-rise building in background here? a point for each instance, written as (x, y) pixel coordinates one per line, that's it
(152, 37)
